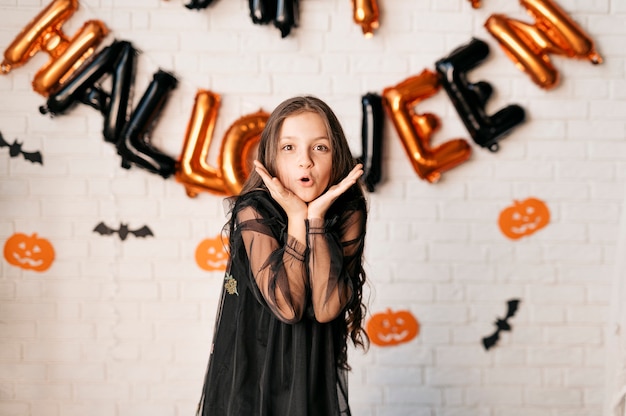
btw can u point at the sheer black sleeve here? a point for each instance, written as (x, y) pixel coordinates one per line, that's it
(334, 261)
(279, 269)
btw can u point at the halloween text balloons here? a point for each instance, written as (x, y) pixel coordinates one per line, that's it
(470, 99)
(117, 61)
(129, 133)
(194, 171)
(365, 13)
(134, 145)
(416, 130)
(529, 45)
(44, 34)
(372, 139)
(284, 13)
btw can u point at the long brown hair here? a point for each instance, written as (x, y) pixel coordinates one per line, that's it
(342, 163)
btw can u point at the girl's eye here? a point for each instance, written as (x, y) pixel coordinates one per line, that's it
(321, 147)
(287, 147)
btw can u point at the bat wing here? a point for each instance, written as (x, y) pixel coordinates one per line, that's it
(142, 232)
(491, 340)
(34, 157)
(3, 143)
(103, 229)
(513, 304)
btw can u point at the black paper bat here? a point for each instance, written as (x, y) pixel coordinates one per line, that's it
(198, 4)
(501, 324)
(15, 150)
(123, 231)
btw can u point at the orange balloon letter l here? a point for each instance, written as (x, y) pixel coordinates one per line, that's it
(193, 170)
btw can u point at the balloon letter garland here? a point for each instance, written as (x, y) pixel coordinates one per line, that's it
(415, 130)
(128, 134)
(284, 13)
(194, 171)
(44, 33)
(287, 16)
(134, 146)
(261, 11)
(470, 99)
(116, 60)
(529, 46)
(239, 141)
(372, 139)
(365, 13)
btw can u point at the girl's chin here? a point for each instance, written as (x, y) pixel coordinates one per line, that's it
(308, 196)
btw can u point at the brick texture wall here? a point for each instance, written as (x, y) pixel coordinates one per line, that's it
(123, 328)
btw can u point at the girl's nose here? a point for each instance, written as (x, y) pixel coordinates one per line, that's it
(305, 160)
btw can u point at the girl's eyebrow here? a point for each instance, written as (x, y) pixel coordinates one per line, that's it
(294, 138)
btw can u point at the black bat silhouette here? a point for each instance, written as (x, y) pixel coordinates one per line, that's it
(501, 324)
(123, 231)
(15, 149)
(199, 4)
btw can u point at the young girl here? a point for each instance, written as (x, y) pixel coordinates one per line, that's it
(293, 288)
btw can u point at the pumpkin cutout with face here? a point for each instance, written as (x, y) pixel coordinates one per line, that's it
(523, 218)
(29, 252)
(211, 254)
(392, 328)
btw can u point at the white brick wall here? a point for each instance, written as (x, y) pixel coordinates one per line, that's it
(122, 328)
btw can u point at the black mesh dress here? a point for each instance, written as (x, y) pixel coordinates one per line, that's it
(271, 356)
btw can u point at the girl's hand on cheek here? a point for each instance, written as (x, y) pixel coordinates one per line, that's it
(289, 201)
(318, 207)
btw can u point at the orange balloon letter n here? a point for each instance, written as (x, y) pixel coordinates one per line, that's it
(529, 46)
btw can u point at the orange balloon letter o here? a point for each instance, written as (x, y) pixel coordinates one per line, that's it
(238, 143)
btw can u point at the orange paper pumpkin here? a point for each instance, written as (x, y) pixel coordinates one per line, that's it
(392, 328)
(211, 254)
(523, 218)
(29, 252)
